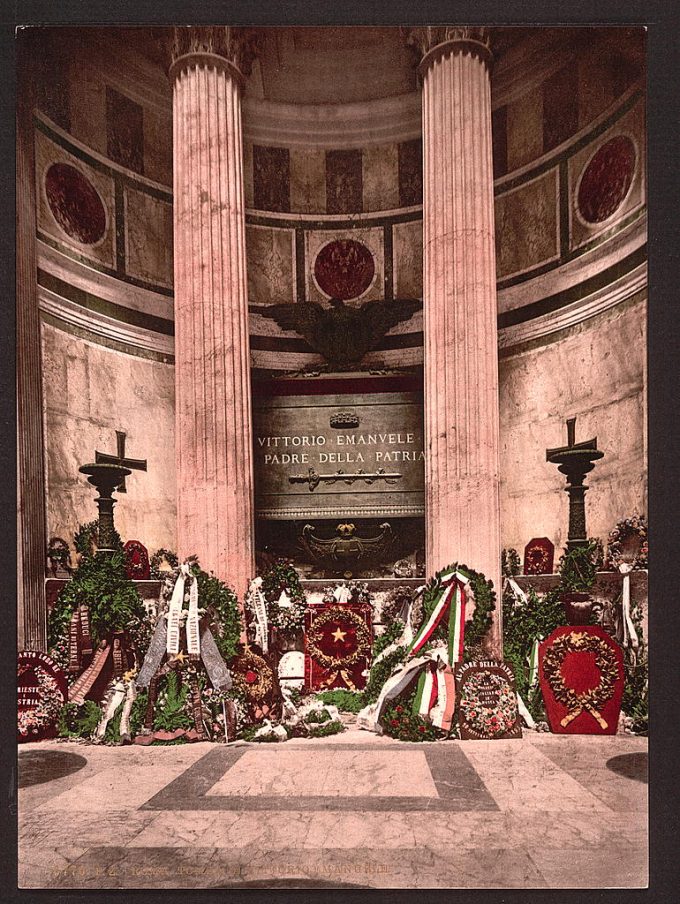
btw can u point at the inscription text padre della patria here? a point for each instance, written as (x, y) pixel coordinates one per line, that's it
(322, 457)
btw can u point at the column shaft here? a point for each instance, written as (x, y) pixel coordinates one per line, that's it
(212, 359)
(31, 526)
(461, 346)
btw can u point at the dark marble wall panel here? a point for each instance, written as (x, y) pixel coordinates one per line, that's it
(499, 137)
(52, 93)
(124, 131)
(560, 107)
(271, 178)
(526, 226)
(410, 173)
(344, 182)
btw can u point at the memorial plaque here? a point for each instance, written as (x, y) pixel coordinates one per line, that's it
(41, 692)
(539, 556)
(487, 701)
(137, 567)
(339, 454)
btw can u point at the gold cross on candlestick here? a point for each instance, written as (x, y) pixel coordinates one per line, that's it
(104, 458)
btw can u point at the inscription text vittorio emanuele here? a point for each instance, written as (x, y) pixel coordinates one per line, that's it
(352, 448)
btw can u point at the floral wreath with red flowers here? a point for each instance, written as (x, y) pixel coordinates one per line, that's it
(253, 676)
(31, 721)
(484, 720)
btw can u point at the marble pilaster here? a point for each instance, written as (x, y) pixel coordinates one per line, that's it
(213, 410)
(461, 345)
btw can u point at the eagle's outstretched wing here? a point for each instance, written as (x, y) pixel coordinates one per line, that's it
(305, 318)
(381, 316)
(316, 547)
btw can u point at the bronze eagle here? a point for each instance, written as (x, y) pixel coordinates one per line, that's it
(341, 334)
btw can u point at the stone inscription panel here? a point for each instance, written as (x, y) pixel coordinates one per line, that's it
(332, 456)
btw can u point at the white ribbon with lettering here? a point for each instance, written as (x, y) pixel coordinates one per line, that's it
(259, 607)
(630, 637)
(193, 634)
(175, 610)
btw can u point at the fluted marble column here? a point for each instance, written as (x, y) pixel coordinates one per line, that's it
(31, 527)
(212, 359)
(461, 346)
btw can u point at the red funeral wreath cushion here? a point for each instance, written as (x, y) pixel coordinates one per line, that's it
(582, 677)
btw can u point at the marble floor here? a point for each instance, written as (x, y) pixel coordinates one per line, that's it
(350, 811)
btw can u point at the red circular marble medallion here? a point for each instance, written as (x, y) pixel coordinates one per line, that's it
(75, 203)
(344, 269)
(606, 179)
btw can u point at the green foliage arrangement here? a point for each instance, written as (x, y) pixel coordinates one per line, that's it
(477, 626)
(346, 701)
(171, 708)
(78, 721)
(283, 576)
(391, 633)
(112, 733)
(101, 584)
(325, 730)
(578, 568)
(521, 625)
(400, 722)
(318, 715)
(138, 712)
(635, 703)
(379, 674)
(511, 563)
(222, 609)
(382, 670)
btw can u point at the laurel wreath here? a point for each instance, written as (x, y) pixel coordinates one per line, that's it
(249, 661)
(579, 642)
(159, 556)
(314, 637)
(636, 525)
(537, 559)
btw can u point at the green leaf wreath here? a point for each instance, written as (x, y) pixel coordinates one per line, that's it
(289, 620)
(101, 584)
(477, 626)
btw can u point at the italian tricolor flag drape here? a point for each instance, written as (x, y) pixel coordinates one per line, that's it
(451, 601)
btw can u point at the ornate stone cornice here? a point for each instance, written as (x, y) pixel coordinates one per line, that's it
(218, 45)
(434, 41)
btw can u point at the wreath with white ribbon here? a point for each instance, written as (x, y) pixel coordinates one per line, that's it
(31, 721)
(594, 699)
(315, 637)
(487, 720)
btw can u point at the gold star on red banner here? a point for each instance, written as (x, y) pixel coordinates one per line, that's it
(339, 635)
